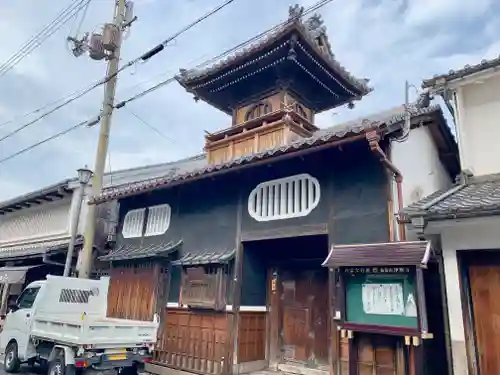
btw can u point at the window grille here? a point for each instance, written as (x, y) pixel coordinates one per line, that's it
(133, 223)
(284, 198)
(158, 220)
(75, 296)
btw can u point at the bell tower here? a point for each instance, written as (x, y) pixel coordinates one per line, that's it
(273, 89)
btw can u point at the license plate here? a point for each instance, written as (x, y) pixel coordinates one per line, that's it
(117, 357)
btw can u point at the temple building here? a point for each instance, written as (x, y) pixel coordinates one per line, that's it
(254, 253)
(273, 89)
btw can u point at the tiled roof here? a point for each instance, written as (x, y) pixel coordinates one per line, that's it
(58, 188)
(461, 73)
(304, 27)
(133, 251)
(476, 196)
(408, 253)
(378, 121)
(37, 249)
(207, 257)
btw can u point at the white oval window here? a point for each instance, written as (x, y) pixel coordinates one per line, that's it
(284, 198)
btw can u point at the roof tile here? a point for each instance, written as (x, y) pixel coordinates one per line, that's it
(132, 251)
(410, 253)
(478, 194)
(461, 73)
(205, 258)
(340, 131)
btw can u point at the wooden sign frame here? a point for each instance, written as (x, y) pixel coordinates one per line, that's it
(414, 273)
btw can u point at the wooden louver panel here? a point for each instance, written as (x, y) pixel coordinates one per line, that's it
(133, 223)
(284, 198)
(203, 288)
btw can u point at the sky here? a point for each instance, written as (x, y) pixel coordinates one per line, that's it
(387, 41)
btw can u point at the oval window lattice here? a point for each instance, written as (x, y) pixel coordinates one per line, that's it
(284, 198)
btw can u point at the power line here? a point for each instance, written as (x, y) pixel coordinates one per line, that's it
(122, 104)
(144, 57)
(171, 79)
(35, 41)
(41, 108)
(42, 116)
(51, 138)
(153, 128)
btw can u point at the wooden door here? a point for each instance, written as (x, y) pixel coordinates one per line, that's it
(133, 291)
(484, 285)
(305, 316)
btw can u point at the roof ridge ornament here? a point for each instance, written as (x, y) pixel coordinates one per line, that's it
(295, 12)
(315, 26)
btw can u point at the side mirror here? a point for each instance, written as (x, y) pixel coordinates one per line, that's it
(12, 306)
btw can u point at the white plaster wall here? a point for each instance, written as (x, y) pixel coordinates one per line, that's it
(49, 220)
(472, 234)
(423, 173)
(478, 106)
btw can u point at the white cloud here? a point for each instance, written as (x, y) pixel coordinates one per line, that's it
(387, 41)
(425, 12)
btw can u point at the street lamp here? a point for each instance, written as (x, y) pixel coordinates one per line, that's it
(84, 176)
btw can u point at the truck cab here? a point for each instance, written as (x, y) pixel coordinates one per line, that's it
(61, 323)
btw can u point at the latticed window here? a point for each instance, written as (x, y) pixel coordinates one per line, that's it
(158, 220)
(133, 223)
(300, 110)
(284, 198)
(258, 110)
(204, 287)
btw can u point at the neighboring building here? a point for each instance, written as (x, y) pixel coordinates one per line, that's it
(34, 236)
(465, 219)
(229, 250)
(35, 228)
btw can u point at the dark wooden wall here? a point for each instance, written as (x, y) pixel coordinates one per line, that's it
(353, 209)
(359, 209)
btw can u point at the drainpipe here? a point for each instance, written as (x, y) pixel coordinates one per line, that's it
(373, 139)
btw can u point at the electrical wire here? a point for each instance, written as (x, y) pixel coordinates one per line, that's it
(51, 138)
(144, 57)
(42, 108)
(45, 114)
(153, 128)
(147, 91)
(220, 56)
(38, 39)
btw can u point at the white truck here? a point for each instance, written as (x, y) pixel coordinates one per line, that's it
(61, 324)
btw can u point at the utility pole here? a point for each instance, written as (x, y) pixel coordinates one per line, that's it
(106, 46)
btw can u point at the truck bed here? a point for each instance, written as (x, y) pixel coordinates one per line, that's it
(98, 333)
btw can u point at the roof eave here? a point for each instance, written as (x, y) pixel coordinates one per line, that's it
(56, 191)
(356, 84)
(451, 215)
(274, 157)
(477, 71)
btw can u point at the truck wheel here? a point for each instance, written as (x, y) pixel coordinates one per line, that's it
(11, 361)
(56, 366)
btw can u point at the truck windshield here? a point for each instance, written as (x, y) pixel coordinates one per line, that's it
(26, 299)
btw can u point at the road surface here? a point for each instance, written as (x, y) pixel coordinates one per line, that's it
(25, 370)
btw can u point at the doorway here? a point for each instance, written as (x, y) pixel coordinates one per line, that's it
(304, 318)
(484, 286)
(298, 326)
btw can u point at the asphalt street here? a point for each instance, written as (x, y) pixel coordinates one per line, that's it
(25, 370)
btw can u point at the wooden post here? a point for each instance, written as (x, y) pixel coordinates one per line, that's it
(274, 334)
(237, 274)
(333, 343)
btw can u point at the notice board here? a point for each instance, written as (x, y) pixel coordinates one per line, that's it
(381, 296)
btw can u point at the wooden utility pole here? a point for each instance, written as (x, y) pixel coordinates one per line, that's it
(102, 147)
